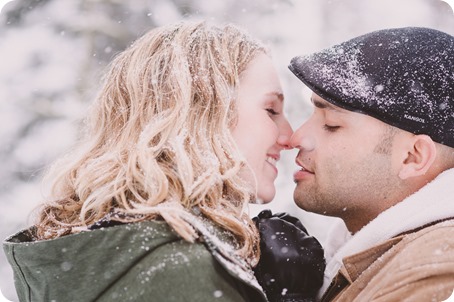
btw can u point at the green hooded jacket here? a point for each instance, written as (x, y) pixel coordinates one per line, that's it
(143, 261)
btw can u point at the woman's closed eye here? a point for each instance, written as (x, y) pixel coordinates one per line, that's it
(271, 111)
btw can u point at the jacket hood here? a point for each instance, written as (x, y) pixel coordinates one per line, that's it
(91, 260)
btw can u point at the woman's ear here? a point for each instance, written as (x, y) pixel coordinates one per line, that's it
(421, 154)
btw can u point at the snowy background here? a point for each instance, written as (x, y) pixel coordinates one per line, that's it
(53, 51)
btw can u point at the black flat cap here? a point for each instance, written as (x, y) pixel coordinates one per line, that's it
(401, 76)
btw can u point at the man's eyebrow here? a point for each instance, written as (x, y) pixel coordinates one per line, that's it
(325, 105)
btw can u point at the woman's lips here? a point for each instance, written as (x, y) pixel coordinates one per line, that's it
(272, 161)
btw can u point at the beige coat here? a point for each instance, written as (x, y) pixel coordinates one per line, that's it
(417, 266)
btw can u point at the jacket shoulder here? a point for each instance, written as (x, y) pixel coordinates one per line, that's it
(143, 261)
(419, 268)
(176, 271)
(433, 243)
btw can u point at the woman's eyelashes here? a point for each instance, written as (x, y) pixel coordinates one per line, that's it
(271, 111)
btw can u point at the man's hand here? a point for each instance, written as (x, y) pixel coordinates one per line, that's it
(292, 263)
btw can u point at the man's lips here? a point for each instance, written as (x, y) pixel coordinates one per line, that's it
(302, 173)
(303, 167)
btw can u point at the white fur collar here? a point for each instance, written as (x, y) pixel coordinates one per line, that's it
(432, 202)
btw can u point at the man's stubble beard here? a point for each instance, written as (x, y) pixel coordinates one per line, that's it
(365, 185)
(359, 192)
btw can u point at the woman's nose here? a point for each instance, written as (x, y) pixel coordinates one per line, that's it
(285, 134)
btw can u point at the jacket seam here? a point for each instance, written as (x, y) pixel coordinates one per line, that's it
(18, 273)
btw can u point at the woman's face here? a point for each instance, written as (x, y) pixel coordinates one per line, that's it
(262, 131)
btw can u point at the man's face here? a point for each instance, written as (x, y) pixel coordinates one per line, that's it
(346, 164)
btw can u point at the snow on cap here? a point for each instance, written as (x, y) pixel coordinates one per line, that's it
(402, 76)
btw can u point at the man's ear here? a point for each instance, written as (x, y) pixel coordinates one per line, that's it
(421, 154)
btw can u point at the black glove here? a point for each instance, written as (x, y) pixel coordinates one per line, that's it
(292, 263)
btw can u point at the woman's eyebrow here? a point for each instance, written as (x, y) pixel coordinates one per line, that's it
(278, 94)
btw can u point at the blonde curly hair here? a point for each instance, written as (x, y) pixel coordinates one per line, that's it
(157, 139)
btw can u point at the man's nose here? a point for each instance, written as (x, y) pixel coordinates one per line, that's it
(302, 138)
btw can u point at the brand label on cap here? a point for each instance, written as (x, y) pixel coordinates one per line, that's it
(414, 118)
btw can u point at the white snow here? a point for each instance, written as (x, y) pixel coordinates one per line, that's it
(48, 74)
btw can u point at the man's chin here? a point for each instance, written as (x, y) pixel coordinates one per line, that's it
(305, 201)
(300, 201)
